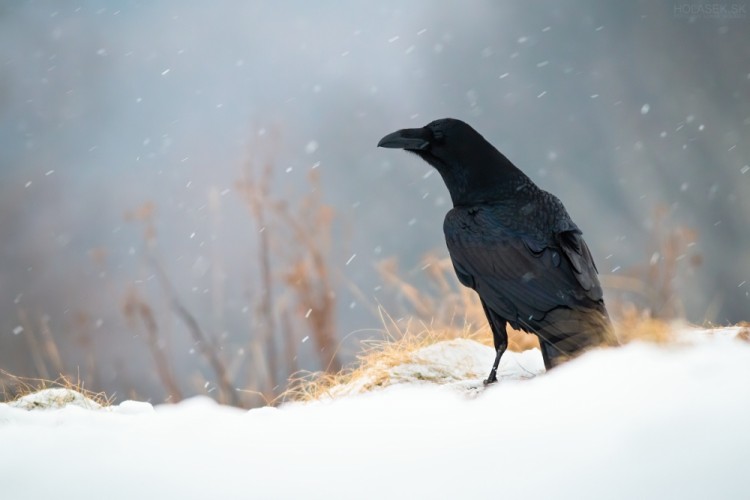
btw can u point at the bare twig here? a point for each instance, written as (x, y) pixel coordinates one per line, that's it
(255, 191)
(50, 346)
(206, 346)
(135, 307)
(207, 349)
(33, 344)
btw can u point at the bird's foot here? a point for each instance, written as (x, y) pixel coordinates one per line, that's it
(491, 379)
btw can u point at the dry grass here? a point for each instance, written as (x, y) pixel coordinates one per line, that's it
(400, 340)
(446, 306)
(14, 387)
(634, 324)
(744, 334)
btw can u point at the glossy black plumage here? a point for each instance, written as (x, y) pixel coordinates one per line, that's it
(513, 243)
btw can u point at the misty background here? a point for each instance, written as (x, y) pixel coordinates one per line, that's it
(637, 116)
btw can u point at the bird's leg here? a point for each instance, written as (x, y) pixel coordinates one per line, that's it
(500, 339)
(493, 373)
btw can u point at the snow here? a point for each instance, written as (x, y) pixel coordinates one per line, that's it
(641, 421)
(458, 364)
(54, 398)
(460, 360)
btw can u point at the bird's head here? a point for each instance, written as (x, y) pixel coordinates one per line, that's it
(473, 170)
(440, 143)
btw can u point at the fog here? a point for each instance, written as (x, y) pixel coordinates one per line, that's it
(623, 111)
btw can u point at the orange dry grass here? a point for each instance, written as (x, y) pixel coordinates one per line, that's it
(639, 325)
(451, 303)
(744, 334)
(378, 356)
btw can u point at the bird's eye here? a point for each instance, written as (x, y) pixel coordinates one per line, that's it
(438, 137)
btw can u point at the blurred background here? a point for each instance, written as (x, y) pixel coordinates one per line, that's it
(191, 200)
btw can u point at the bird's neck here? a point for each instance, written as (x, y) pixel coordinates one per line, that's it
(487, 185)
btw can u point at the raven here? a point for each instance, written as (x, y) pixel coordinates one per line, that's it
(513, 243)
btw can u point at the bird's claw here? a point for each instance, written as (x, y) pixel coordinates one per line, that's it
(491, 379)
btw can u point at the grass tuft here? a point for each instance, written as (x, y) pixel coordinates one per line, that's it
(13, 388)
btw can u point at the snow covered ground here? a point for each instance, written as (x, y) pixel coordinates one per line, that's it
(642, 421)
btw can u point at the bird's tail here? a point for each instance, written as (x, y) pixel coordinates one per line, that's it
(569, 332)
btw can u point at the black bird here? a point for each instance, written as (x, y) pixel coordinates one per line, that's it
(513, 243)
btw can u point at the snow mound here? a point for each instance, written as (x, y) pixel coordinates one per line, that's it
(54, 398)
(691, 334)
(634, 422)
(461, 364)
(642, 421)
(461, 359)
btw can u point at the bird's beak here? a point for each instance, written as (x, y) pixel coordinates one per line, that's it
(408, 138)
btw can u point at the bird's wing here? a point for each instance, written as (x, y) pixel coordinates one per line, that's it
(520, 276)
(579, 256)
